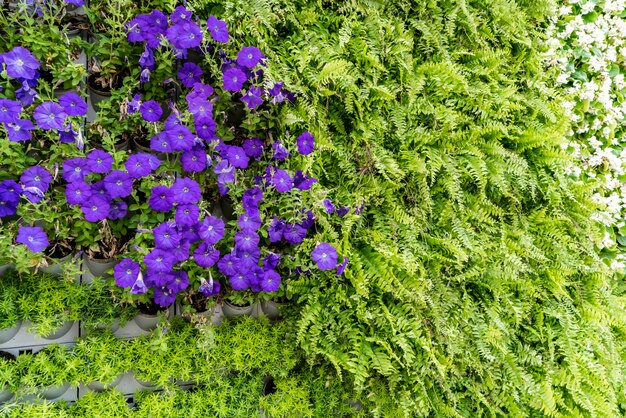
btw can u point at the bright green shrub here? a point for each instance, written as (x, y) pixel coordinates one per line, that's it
(473, 287)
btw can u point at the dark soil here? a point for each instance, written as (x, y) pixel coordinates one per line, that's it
(7, 356)
(150, 308)
(198, 301)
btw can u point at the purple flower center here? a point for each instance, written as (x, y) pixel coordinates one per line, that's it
(129, 272)
(30, 239)
(185, 189)
(119, 182)
(77, 169)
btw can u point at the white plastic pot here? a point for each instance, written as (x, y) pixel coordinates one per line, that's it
(99, 387)
(65, 328)
(98, 267)
(149, 322)
(53, 392)
(231, 311)
(271, 309)
(8, 333)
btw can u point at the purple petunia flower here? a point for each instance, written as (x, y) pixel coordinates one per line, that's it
(141, 164)
(20, 63)
(144, 76)
(190, 74)
(249, 259)
(218, 29)
(160, 143)
(200, 91)
(194, 160)
(306, 143)
(341, 267)
(77, 193)
(151, 111)
(246, 240)
(164, 296)
(126, 272)
(118, 210)
(252, 98)
(190, 233)
(206, 255)
(36, 177)
(280, 152)
(33, 237)
(342, 211)
(186, 215)
(184, 35)
(294, 234)
(200, 108)
(161, 199)
(211, 230)
(270, 282)
(181, 252)
(73, 104)
(276, 88)
(253, 147)
(19, 130)
(9, 110)
(99, 190)
(186, 190)
(309, 220)
(49, 115)
(239, 281)
(251, 220)
(134, 104)
(99, 161)
(249, 57)
(166, 236)
(328, 206)
(180, 138)
(158, 261)
(158, 278)
(96, 209)
(282, 181)
(135, 29)
(139, 287)
(118, 184)
(271, 261)
(26, 94)
(180, 14)
(225, 172)
(228, 265)
(205, 128)
(237, 157)
(68, 135)
(75, 169)
(302, 181)
(234, 79)
(275, 230)
(77, 3)
(180, 281)
(209, 288)
(10, 192)
(325, 256)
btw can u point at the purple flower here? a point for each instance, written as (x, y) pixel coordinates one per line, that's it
(234, 79)
(271, 281)
(160, 143)
(247, 240)
(205, 128)
(99, 161)
(151, 111)
(134, 104)
(280, 152)
(19, 130)
(67, 134)
(20, 63)
(158, 278)
(9, 110)
(206, 255)
(342, 211)
(77, 3)
(10, 192)
(249, 259)
(194, 160)
(309, 220)
(181, 252)
(184, 35)
(239, 281)
(209, 288)
(303, 181)
(118, 184)
(33, 237)
(253, 97)
(200, 108)
(96, 209)
(237, 157)
(37, 177)
(282, 181)
(164, 296)
(251, 198)
(7, 207)
(276, 88)
(211, 230)
(225, 172)
(190, 233)
(253, 147)
(271, 261)
(146, 59)
(118, 210)
(186, 190)
(180, 281)
(73, 104)
(141, 164)
(126, 272)
(186, 215)
(144, 77)
(166, 236)
(328, 206)
(325, 256)
(199, 92)
(341, 267)
(249, 57)
(251, 220)
(227, 265)
(75, 169)
(159, 260)
(275, 230)
(139, 287)
(218, 29)
(306, 143)
(77, 193)
(25, 94)
(98, 190)
(294, 233)
(157, 20)
(161, 199)
(189, 74)
(136, 29)
(50, 115)
(180, 14)
(180, 138)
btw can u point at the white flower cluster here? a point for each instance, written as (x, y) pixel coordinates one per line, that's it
(588, 45)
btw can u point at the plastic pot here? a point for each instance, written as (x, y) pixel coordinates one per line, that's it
(6, 267)
(5, 394)
(96, 94)
(271, 309)
(230, 310)
(149, 321)
(98, 267)
(65, 328)
(137, 146)
(53, 392)
(8, 333)
(58, 265)
(99, 387)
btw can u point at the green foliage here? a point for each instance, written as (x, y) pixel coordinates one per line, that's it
(473, 286)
